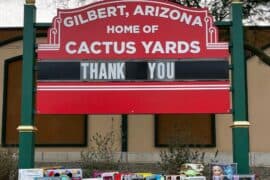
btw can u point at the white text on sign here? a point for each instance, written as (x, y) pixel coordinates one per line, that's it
(117, 71)
(131, 29)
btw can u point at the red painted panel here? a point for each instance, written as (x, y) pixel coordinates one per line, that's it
(133, 98)
(177, 33)
(156, 29)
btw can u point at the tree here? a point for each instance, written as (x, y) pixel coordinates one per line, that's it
(220, 9)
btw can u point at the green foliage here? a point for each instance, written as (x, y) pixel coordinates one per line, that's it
(8, 165)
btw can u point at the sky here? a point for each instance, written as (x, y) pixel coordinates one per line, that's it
(11, 11)
(46, 10)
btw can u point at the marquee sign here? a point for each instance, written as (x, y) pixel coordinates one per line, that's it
(133, 56)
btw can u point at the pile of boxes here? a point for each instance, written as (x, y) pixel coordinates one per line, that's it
(187, 172)
(50, 174)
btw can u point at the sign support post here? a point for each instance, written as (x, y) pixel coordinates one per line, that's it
(26, 128)
(240, 127)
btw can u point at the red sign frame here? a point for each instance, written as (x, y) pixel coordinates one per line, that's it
(132, 30)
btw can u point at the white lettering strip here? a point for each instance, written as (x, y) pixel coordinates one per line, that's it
(134, 87)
